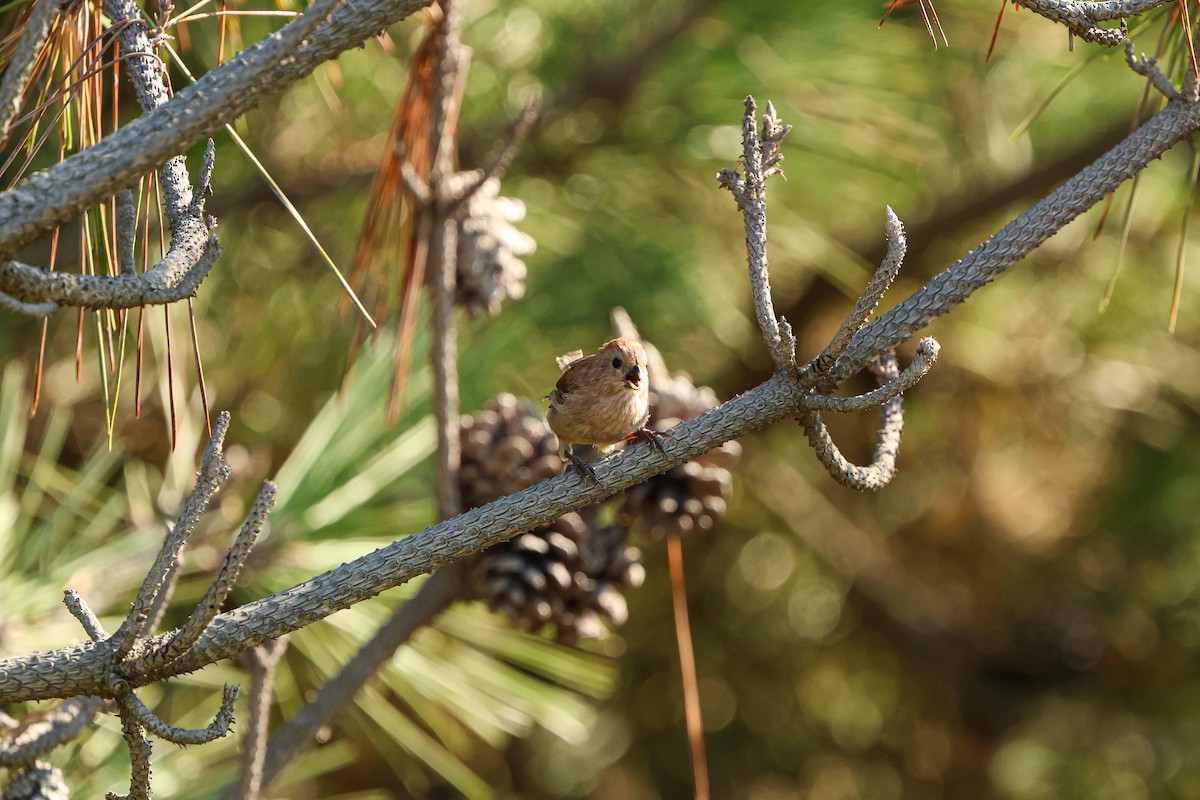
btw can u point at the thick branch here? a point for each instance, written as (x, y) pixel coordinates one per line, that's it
(81, 669)
(1081, 17)
(1174, 123)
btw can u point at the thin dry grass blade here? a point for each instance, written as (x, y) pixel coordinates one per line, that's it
(937, 23)
(1120, 259)
(1177, 291)
(199, 365)
(39, 367)
(287, 204)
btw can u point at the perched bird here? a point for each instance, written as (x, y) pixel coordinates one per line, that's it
(602, 400)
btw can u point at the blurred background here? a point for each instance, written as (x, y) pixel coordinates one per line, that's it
(1016, 616)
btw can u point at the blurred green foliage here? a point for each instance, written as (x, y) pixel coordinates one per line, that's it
(1015, 617)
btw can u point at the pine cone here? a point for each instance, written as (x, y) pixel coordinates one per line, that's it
(566, 574)
(569, 573)
(489, 251)
(506, 447)
(39, 782)
(693, 495)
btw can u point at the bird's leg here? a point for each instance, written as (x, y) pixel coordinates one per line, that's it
(584, 468)
(649, 435)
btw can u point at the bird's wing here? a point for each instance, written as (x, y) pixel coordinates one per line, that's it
(567, 383)
(567, 359)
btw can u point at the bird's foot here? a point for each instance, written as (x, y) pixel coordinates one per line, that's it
(583, 468)
(652, 436)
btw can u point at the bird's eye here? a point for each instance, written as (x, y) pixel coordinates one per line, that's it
(616, 363)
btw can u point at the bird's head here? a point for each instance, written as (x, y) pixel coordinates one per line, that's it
(624, 361)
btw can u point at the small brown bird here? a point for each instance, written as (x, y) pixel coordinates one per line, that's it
(601, 399)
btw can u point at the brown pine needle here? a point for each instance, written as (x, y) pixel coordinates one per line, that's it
(996, 30)
(1187, 35)
(687, 666)
(394, 228)
(221, 30)
(223, 14)
(890, 7)
(928, 13)
(38, 369)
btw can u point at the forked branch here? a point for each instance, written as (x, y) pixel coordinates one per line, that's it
(131, 659)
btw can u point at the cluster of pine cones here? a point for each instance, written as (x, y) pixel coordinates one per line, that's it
(570, 574)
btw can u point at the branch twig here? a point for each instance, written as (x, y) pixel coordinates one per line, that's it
(761, 157)
(1148, 69)
(263, 661)
(435, 595)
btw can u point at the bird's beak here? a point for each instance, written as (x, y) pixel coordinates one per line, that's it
(634, 376)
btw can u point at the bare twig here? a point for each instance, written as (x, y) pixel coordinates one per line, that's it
(183, 736)
(139, 756)
(80, 611)
(43, 731)
(415, 184)
(451, 61)
(182, 640)
(1148, 69)
(435, 595)
(445, 368)
(124, 672)
(193, 249)
(126, 232)
(213, 473)
(192, 255)
(40, 780)
(83, 669)
(888, 269)
(887, 444)
(1174, 123)
(43, 309)
(263, 661)
(927, 352)
(495, 164)
(761, 157)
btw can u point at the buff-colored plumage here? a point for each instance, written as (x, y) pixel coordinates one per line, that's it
(600, 399)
